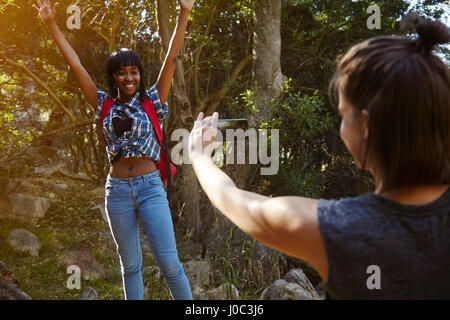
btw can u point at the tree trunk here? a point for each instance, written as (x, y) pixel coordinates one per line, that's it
(267, 76)
(266, 55)
(181, 107)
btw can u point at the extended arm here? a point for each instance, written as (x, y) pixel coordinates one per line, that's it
(85, 82)
(165, 76)
(288, 224)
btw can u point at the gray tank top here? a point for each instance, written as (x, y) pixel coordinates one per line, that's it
(381, 249)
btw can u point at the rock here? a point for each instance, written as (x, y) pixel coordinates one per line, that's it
(297, 276)
(89, 294)
(25, 207)
(152, 270)
(8, 291)
(294, 286)
(198, 273)
(101, 208)
(60, 187)
(27, 186)
(9, 286)
(90, 268)
(225, 291)
(53, 169)
(58, 169)
(321, 289)
(107, 238)
(282, 290)
(198, 293)
(100, 191)
(145, 246)
(7, 275)
(23, 240)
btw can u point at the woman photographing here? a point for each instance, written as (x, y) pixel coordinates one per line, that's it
(394, 100)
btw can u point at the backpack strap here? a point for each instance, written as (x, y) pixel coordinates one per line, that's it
(151, 113)
(162, 138)
(107, 105)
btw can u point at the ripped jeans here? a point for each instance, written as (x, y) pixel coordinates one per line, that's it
(144, 197)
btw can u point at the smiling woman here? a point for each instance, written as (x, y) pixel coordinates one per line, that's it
(133, 188)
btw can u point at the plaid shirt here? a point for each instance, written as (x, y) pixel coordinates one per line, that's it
(141, 140)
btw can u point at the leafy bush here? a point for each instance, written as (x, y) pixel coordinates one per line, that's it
(303, 121)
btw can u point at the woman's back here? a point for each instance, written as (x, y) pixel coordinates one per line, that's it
(381, 249)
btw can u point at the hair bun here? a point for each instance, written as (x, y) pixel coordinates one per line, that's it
(430, 32)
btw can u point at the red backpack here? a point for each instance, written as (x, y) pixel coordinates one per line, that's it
(164, 164)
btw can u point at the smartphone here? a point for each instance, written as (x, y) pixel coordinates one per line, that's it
(225, 124)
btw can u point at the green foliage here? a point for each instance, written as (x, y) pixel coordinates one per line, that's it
(302, 121)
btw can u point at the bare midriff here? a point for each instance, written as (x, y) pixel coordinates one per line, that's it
(131, 167)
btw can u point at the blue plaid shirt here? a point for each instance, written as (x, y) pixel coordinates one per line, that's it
(141, 140)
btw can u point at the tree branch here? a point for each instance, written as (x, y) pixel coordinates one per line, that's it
(212, 101)
(197, 56)
(40, 83)
(80, 123)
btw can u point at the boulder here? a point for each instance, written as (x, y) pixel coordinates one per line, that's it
(90, 268)
(294, 286)
(23, 206)
(58, 169)
(198, 272)
(101, 207)
(152, 271)
(59, 187)
(9, 286)
(99, 191)
(89, 294)
(299, 277)
(23, 240)
(106, 238)
(8, 291)
(225, 291)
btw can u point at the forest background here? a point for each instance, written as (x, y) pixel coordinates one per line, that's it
(269, 61)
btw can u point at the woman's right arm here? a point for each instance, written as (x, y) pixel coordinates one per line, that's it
(47, 14)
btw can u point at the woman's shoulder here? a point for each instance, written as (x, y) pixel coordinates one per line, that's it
(376, 206)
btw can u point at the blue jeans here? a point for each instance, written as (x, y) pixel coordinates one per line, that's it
(144, 197)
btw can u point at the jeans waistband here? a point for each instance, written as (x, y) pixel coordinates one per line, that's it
(141, 178)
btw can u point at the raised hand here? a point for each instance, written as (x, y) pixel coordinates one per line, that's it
(45, 10)
(186, 4)
(203, 135)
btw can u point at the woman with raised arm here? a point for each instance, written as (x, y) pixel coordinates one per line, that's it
(134, 189)
(393, 243)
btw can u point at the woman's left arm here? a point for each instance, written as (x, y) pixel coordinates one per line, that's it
(165, 76)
